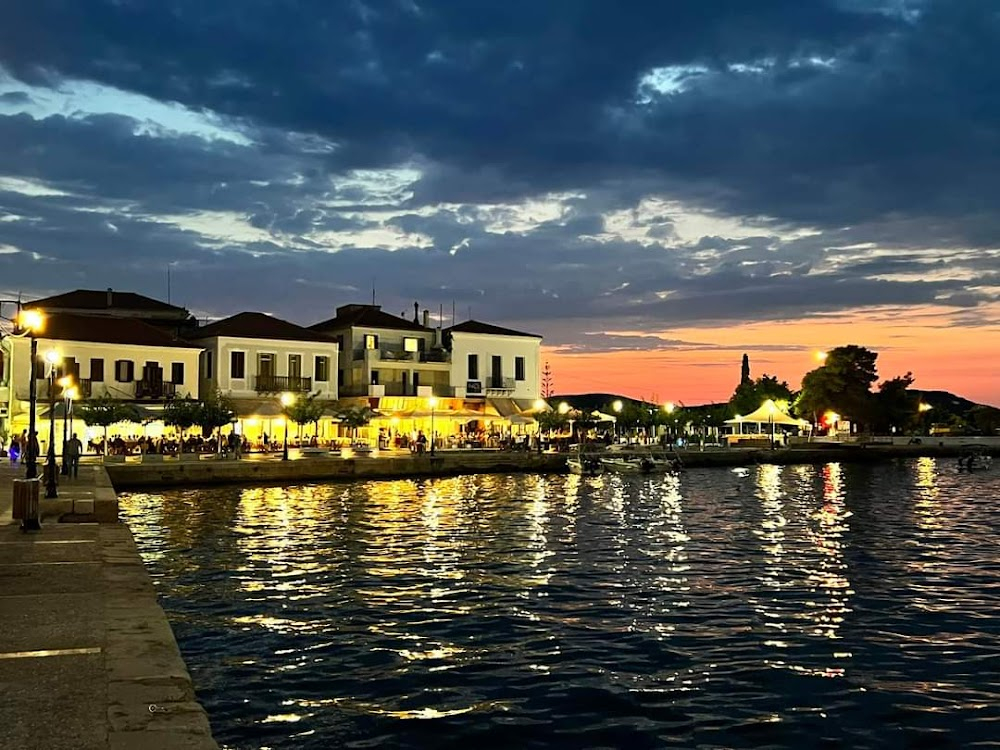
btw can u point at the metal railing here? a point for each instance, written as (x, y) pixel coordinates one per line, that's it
(501, 384)
(155, 389)
(282, 383)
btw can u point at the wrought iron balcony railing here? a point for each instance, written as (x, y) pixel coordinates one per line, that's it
(282, 383)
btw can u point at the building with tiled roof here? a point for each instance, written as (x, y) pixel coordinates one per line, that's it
(109, 303)
(253, 358)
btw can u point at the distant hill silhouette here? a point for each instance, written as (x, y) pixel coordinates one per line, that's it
(943, 401)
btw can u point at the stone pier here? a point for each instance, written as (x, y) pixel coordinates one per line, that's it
(87, 657)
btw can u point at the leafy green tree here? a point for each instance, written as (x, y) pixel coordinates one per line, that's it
(750, 394)
(895, 405)
(182, 413)
(105, 411)
(355, 418)
(551, 421)
(842, 384)
(986, 419)
(305, 411)
(215, 411)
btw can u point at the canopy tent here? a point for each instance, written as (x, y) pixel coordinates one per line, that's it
(769, 413)
(600, 416)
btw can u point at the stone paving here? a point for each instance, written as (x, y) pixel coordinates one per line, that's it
(87, 657)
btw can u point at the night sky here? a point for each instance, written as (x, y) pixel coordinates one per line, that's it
(655, 187)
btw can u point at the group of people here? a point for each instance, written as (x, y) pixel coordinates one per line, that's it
(24, 448)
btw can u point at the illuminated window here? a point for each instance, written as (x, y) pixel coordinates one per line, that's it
(371, 341)
(411, 344)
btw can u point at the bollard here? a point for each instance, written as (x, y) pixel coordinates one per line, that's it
(26, 507)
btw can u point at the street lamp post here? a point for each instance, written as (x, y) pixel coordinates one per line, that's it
(68, 393)
(433, 402)
(51, 484)
(669, 409)
(32, 321)
(287, 399)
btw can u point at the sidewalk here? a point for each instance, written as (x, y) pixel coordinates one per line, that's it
(87, 658)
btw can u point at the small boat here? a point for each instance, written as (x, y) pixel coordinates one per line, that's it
(588, 466)
(976, 458)
(640, 465)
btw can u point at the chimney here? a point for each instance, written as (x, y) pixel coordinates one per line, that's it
(427, 318)
(110, 297)
(416, 312)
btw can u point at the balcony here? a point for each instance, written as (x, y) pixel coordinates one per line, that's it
(154, 389)
(392, 389)
(500, 384)
(398, 354)
(282, 384)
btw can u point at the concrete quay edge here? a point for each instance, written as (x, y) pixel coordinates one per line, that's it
(88, 660)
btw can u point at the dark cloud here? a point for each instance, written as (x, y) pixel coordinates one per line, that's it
(875, 127)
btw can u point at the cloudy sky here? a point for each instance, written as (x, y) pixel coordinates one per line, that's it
(656, 187)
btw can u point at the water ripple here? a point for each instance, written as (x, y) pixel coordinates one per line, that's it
(769, 607)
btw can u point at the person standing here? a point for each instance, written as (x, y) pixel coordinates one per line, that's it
(73, 450)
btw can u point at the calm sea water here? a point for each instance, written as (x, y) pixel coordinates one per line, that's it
(786, 607)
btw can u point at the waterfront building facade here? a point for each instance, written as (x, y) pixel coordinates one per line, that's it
(254, 358)
(121, 358)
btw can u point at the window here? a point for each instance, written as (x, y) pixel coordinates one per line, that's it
(295, 365)
(371, 341)
(265, 365)
(496, 371)
(97, 371)
(124, 370)
(208, 365)
(374, 377)
(473, 367)
(340, 377)
(411, 344)
(518, 368)
(237, 365)
(322, 369)
(177, 373)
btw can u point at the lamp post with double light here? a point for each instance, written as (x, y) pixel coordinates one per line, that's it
(617, 407)
(433, 402)
(287, 399)
(52, 358)
(32, 323)
(669, 408)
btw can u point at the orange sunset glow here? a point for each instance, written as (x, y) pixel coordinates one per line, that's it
(925, 340)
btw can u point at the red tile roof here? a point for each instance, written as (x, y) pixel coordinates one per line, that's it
(256, 325)
(367, 316)
(104, 330)
(474, 326)
(98, 299)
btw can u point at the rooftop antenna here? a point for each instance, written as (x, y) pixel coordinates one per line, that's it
(373, 292)
(453, 312)
(168, 283)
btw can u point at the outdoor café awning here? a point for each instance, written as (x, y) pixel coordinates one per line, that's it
(768, 413)
(505, 407)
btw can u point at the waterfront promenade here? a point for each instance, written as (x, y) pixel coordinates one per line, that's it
(87, 658)
(207, 470)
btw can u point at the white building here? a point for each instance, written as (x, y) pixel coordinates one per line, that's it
(494, 362)
(253, 358)
(117, 357)
(385, 355)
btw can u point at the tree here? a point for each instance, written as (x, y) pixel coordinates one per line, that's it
(182, 413)
(749, 395)
(745, 371)
(105, 411)
(304, 411)
(841, 384)
(985, 418)
(355, 418)
(895, 405)
(216, 411)
(546, 381)
(551, 421)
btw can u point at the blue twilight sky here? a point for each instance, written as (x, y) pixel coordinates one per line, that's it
(604, 173)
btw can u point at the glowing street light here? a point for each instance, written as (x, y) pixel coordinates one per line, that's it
(68, 393)
(32, 322)
(617, 406)
(925, 407)
(563, 408)
(821, 356)
(540, 404)
(287, 399)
